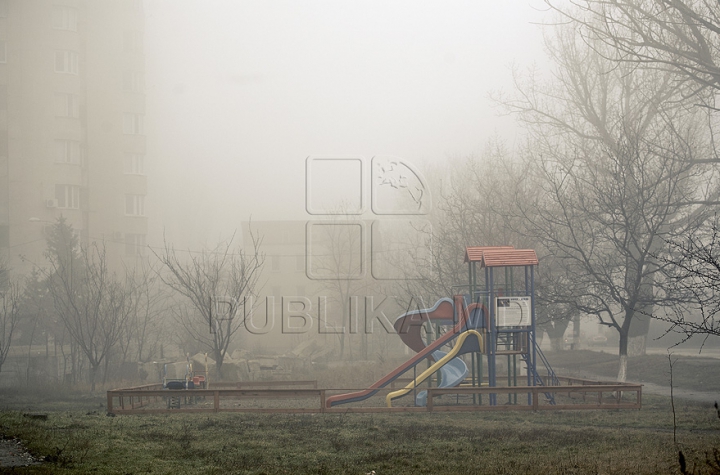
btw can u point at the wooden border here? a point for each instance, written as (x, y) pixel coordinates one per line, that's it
(132, 400)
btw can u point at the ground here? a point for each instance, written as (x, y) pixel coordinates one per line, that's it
(14, 454)
(694, 377)
(78, 437)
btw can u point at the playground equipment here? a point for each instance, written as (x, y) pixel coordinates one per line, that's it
(191, 380)
(490, 321)
(493, 318)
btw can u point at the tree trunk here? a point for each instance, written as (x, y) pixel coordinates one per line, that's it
(74, 365)
(556, 333)
(106, 370)
(638, 332)
(576, 333)
(29, 359)
(622, 367)
(218, 364)
(640, 324)
(93, 375)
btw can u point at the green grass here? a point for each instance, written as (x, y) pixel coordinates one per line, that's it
(544, 442)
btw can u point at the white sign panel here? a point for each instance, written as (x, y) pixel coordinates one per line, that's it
(513, 311)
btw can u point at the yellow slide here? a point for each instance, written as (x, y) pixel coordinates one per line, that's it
(435, 366)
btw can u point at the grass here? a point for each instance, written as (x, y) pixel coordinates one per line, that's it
(79, 438)
(545, 442)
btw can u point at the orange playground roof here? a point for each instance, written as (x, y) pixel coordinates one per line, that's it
(475, 253)
(501, 256)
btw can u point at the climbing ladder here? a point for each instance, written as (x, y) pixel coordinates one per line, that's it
(539, 381)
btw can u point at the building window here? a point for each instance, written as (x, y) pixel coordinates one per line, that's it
(133, 124)
(135, 205)
(133, 41)
(135, 244)
(67, 196)
(133, 81)
(67, 105)
(134, 164)
(66, 62)
(64, 18)
(68, 151)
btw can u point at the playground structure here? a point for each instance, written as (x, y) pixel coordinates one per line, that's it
(487, 321)
(490, 321)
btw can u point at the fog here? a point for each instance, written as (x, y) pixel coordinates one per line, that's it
(327, 124)
(241, 93)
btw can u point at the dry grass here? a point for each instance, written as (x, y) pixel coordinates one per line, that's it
(557, 442)
(79, 438)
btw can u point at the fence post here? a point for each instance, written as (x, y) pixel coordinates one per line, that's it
(109, 402)
(322, 400)
(536, 399)
(216, 397)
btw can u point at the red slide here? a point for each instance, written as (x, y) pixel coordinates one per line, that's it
(408, 327)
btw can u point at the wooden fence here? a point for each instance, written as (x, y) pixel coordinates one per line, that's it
(230, 397)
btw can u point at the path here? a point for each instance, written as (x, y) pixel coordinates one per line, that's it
(651, 388)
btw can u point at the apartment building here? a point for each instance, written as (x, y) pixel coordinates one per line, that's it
(72, 111)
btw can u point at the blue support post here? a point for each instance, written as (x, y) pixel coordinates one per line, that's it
(531, 360)
(532, 324)
(493, 335)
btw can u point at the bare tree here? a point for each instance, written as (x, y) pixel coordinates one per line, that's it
(215, 282)
(337, 263)
(89, 299)
(615, 148)
(475, 196)
(142, 332)
(693, 271)
(554, 314)
(682, 36)
(476, 206)
(10, 303)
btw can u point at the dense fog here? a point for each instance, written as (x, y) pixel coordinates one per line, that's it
(264, 187)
